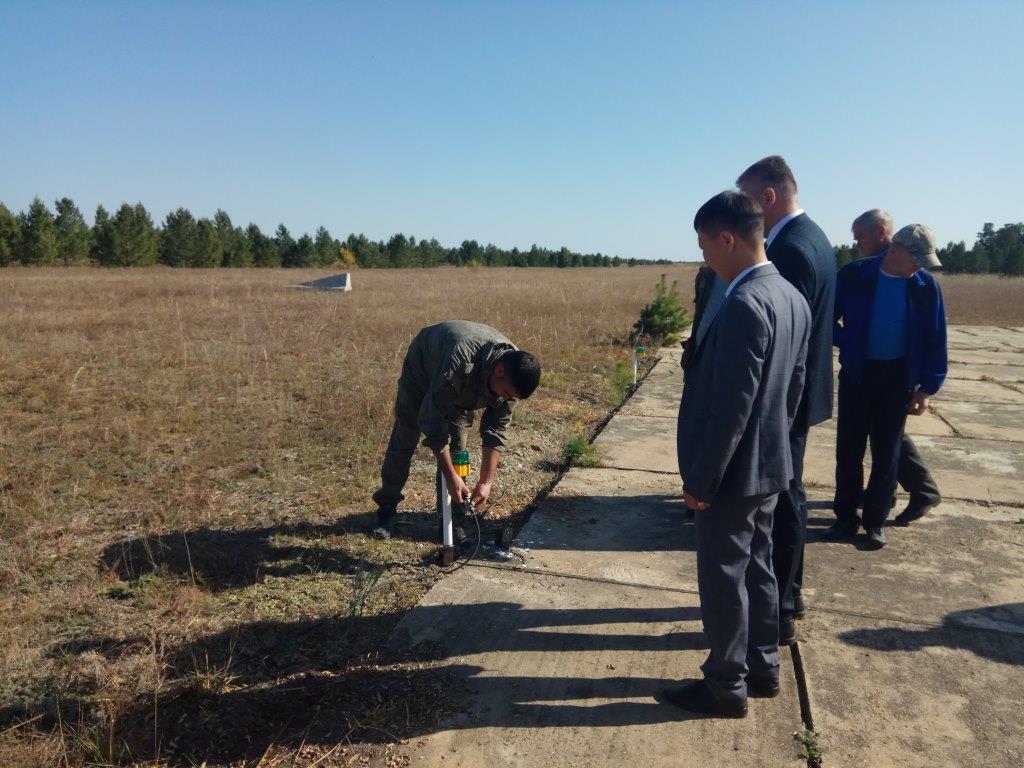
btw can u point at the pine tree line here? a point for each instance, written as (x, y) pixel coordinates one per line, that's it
(129, 238)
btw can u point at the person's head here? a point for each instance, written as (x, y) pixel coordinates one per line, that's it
(771, 183)
(912, 248)
(730, 233)
(872, 231)
(515, 376)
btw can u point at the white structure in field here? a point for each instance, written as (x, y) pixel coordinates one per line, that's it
(342, 282)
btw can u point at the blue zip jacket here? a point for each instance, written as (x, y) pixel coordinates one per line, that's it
(926, 324)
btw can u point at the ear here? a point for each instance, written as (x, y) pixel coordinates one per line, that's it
(727, 238)
(768, 197)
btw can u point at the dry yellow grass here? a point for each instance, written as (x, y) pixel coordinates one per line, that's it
(186, 460)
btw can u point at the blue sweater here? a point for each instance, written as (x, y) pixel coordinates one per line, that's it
(925, 327)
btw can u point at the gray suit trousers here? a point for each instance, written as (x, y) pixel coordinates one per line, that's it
(739, 599)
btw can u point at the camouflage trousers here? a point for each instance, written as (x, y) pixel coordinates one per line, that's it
(405, 436)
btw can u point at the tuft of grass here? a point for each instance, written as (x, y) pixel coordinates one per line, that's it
(621, 381)
(812, 749)
(579, 452)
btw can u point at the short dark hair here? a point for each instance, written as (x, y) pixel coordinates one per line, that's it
(772, 172)
(732, 212)
(523, 370)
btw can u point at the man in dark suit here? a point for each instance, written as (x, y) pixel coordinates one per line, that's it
(742, 388)
(803, 255)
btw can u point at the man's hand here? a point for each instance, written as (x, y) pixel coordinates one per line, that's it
(481, 493)
(457, 489)
(694, 503)
(918, 403)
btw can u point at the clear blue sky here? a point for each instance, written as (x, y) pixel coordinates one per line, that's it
(597, 126)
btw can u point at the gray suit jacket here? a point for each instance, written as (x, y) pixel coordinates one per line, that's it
(741, 392)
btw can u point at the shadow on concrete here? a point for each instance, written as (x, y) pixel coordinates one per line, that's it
(628, 523)
(228, 696)
(994, 632)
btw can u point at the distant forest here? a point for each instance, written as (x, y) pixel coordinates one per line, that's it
(129, 238)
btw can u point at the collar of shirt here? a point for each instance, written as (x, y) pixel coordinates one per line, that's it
(744, 273)
(774, 231)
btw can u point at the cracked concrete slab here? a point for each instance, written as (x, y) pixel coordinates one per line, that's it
(990, 471)
(564, 672)
(995, 421)
(915, 653)
(638, 442)
(960, 390)
(1007, 374)
(626, 525)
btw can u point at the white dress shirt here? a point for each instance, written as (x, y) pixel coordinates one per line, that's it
(743, 274)
(774, 231)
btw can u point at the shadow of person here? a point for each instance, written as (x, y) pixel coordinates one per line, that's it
(229, 695)
(219, 559)
(994, 632)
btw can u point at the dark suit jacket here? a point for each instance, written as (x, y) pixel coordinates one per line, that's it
(742, 387)
(805, 258)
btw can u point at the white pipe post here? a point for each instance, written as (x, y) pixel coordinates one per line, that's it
(632, 356)
(447, 534)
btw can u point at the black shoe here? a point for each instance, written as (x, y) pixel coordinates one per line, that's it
(697, 697)
(762, 685)
(385, 528)
(799, 606)
(912, 513)
(841, 529)
(876, 538)
(787, 632)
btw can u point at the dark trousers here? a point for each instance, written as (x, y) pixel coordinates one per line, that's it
(789, 530)
(875, 410)
(914, 476)
(405, 435)
(738, 594)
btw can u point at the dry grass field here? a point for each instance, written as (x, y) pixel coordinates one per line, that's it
(186, 460)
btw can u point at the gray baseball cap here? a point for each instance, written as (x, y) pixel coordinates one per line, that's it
(919, 241)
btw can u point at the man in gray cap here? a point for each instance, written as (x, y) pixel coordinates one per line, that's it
(451, 370)
(891, 332)
(872, 231)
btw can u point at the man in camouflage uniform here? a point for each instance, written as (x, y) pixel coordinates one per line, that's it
(451, 370)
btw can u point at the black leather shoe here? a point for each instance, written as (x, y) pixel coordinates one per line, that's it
(912, 513)
(787, 632)
(762, 686)
(697, 697)
(876, 538)
(385, 528)
(799, 606)
(841, 529)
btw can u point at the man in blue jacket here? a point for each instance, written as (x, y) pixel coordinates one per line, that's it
(873, 231)
(890, 327)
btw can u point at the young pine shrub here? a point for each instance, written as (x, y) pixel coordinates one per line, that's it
(664, 318)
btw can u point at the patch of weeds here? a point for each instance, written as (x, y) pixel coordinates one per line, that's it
(621, 381)
(812, 749)
(579, 452)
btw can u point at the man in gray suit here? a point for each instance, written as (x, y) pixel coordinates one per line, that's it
(743, 384)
